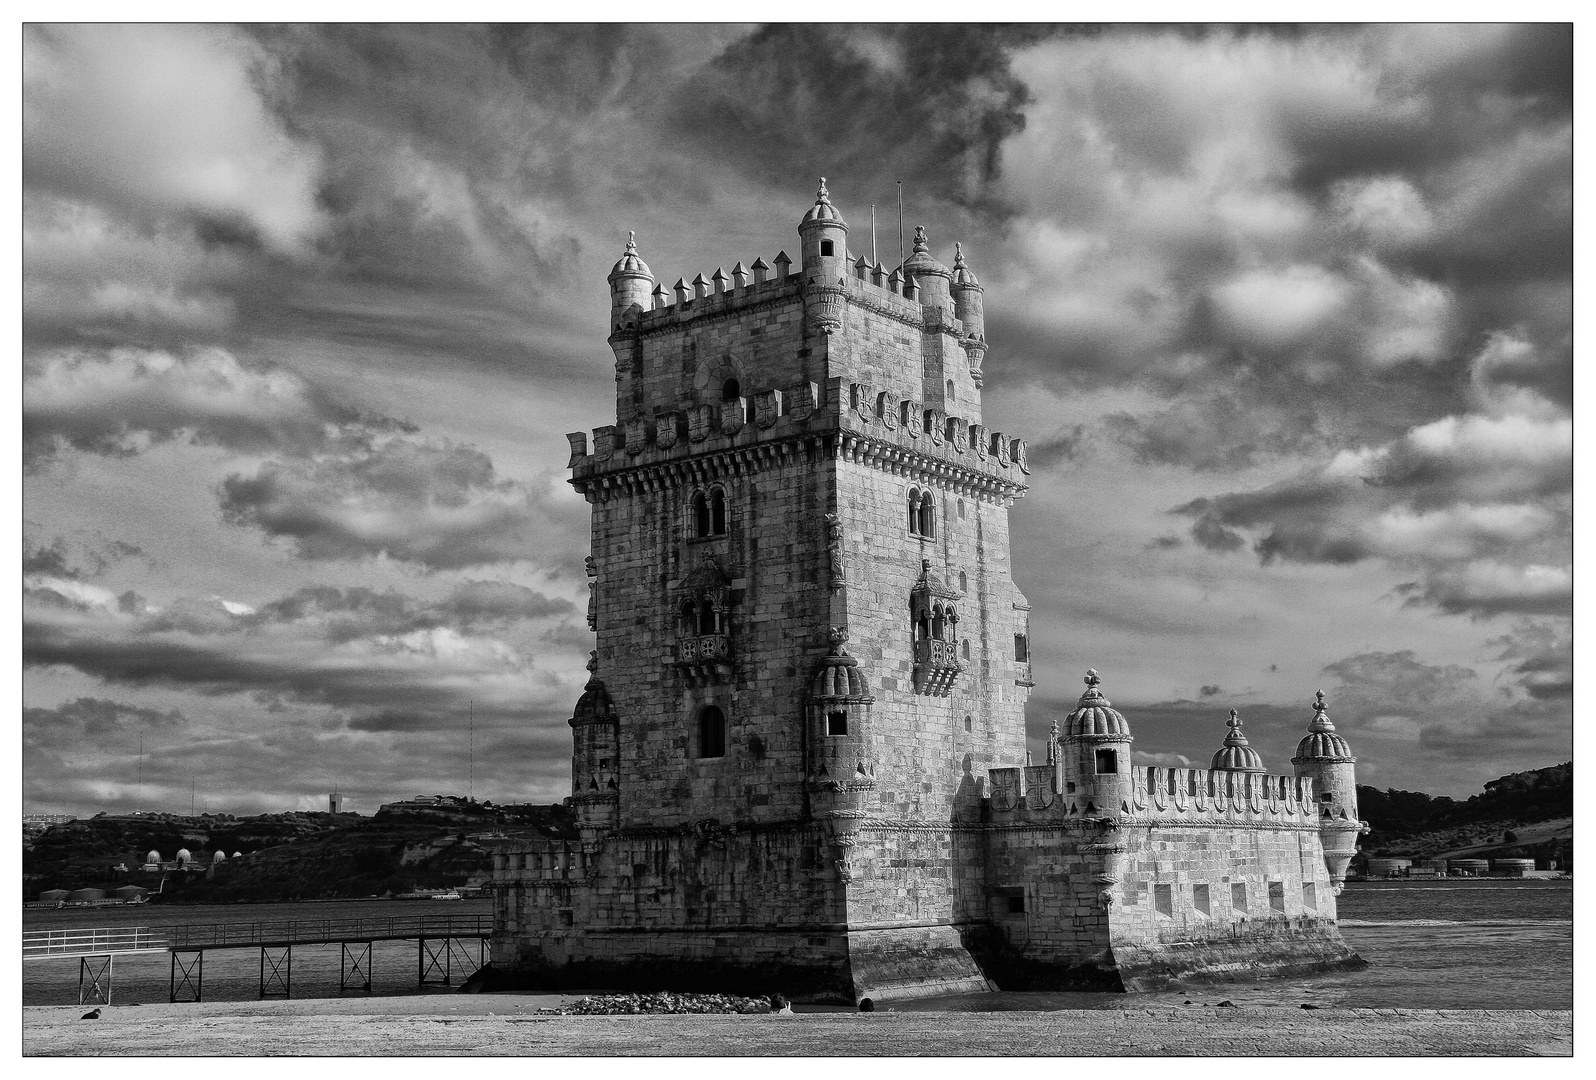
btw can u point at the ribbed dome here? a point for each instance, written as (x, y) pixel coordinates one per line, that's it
(1236, 755)
(1094, 715)
(630, 262)
(594, 704)
(839, 679)
(962, 275)
(921, 261)
(1322, 743)
(823, 211)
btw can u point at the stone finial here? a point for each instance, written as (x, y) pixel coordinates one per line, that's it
(920, 245)
(700, 287)
(592, 660)
(720, 280)
(739, 276)
(681, 290)
(1092, 679)
(823, 196)
(782, 263)
(1321, 717)
(631, 242)
(958, 256)
(661, 297)
(837, 636)
(761, 269)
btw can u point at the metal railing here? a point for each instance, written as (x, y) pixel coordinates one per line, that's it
(42, 943)
(37, 944)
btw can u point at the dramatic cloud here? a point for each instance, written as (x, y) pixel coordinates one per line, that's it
(435, 503)
(307, 309)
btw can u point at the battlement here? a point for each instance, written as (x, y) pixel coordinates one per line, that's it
(878, 427)
(1039, 793)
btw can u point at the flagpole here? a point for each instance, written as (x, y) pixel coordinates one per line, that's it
(900, 223)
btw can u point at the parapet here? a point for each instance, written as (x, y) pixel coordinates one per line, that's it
(1038, 794)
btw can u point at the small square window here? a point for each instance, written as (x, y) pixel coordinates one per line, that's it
(1017, 904)
(1199, 898)
(1107, 761)
(567, 918)
(1238, 896)
(1277, 896)
(837, 722)
(1164, 899)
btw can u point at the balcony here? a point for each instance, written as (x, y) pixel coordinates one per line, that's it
(704, 658)
(936, 665)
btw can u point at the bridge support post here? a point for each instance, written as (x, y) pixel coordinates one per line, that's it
(354, 964)
(276, 972)
(432, 960)
(187, 976)
(94, 980)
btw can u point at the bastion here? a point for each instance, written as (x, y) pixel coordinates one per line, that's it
(799, 764)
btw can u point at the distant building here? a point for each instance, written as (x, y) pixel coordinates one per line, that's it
(335, 803)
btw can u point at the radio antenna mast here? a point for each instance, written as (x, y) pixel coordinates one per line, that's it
(471, 760)
(872, 234)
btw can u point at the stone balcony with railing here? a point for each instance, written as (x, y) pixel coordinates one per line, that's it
(704, 658)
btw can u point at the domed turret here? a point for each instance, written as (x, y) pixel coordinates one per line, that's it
(595, 787)
(840, 766)
(631, 283)
(1325, 757)
(1093, 756)
(967, 308)
(1236, 755)
(823, 240)
(153, 858)
(930, 276)
(183, 857)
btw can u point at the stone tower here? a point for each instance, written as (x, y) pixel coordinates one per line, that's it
(799, 763)
(1325, 757)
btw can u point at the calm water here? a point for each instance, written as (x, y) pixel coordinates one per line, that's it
(1455, 944)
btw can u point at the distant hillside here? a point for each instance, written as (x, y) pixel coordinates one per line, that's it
(1521, 815)
(299, 856)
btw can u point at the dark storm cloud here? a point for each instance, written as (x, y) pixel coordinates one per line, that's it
(102, 721)
(49, 560)
(930, 103)
(1060, 448)
(436, 503)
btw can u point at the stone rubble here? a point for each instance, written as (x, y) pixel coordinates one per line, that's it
(634, 1004)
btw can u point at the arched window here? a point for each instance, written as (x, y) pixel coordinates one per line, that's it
(1022, 649)
(938, 622)
(731, 390)
(717, 512)
(922, 629)
(700, 514)
(711, 732)
(964, 582)
(966, 647)
(950, 390)
(928, 517)
(689, 618)
(826, 247)
(914, 511)
(706, 618)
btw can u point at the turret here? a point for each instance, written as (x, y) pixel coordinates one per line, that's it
(631, 282)
(595, 791)
(931, 277)
(1326, 758)
(1093, 756)
(840, 767)
(823, 240)
(967, 309)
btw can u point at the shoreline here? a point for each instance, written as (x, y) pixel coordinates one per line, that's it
(496, 1025)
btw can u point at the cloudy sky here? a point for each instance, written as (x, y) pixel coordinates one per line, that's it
(1285, 315)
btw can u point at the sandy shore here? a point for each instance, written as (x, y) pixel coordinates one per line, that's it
(506, 1024)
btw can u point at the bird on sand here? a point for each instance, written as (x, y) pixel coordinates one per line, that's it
(92, 1014)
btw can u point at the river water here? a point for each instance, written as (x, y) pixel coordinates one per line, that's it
(1448, 944)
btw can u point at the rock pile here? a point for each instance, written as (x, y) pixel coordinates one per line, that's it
(631, 1004)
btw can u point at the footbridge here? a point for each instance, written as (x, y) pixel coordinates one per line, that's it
(442, 941)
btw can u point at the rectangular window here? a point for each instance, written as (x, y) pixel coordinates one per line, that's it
(1310, 898)
(1022, 649)
(567, 918)
(837, 722)
(1238, 896)
(1277, 896)
(1199, 898)
(1107, 761)
(1017, 904)
(1164, 899)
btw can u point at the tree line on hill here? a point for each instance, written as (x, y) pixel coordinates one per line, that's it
(1413, 823)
